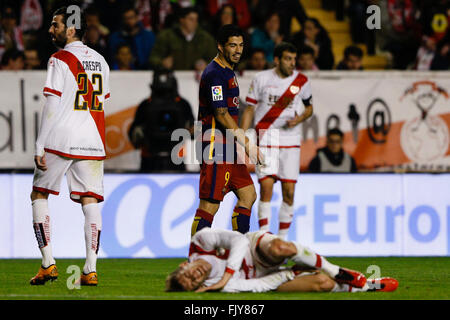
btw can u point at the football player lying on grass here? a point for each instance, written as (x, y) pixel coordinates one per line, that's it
(228, 261)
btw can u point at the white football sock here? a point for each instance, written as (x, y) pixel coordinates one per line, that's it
(264, 213)
(342, 287)
(285, 216)
(41, 226)
(92, 229)
(307, 257)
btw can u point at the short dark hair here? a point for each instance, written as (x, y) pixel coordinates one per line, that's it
(172, 283)
(79, 32)
(227, 31)
(336, 131)
(353, 51)
(256, 50)
(127, 7)
(282, 47)
(11, 54)
(183, 12)
(305, 50)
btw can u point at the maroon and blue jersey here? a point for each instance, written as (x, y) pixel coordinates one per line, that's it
(218, 89)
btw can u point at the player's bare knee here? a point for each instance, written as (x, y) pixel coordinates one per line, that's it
(325, 283)
(35, 195)
(288, 197)
(282, 249)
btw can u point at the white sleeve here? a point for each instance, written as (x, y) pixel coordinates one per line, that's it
(263, 284)
(48, 120)
(54, 83)
(211, 239)
(106, 84)
(253, 93)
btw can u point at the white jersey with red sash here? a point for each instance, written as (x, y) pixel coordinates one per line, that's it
(80, 77)
(276, 101)
(225, 250)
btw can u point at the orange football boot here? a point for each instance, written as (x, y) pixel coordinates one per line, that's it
(382, 284)
(354, 278)
(89, 279)
(44, 275)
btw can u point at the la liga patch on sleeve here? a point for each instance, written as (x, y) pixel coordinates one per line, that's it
(217, 93)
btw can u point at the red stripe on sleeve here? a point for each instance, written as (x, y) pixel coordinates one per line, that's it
(229, 270)
(49, 90)
(250, 100)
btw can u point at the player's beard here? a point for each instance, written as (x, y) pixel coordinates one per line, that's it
(228, 56)
(286, 72)
(60, 39)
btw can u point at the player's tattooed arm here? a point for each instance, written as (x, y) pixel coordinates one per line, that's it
(224, 118)
(247, 117)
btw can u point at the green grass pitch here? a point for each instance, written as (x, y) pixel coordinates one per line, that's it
(136, 279)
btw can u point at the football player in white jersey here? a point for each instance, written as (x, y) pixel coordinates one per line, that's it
(71, 140)
(233, 262)
(279, 100)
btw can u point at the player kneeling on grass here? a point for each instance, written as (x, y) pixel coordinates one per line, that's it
(232, 262)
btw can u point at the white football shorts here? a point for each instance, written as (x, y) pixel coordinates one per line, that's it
(281, 163)
(84, 177)
(258, 239)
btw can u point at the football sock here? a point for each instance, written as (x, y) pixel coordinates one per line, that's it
(264, 213)
(41, 226)
(342, 287)
(305, 256)
(285, 218)
(240, 219)
(202, 220)
(92, 230)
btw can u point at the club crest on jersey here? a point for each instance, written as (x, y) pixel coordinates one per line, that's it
(217, 93)
(294, 89)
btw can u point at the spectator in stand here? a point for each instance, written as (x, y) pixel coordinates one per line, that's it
(13, 60)
(185, 46)
(435, 44)
(435, 19)
(110, 13)
(140, 41)
(32, 59)
(92, 17)
(93, 39)
(432, 55)
(257, 60)
(352, 59)
(10, 33)
(315, 36)
(305, 59)
(333, 158)
(400, 34)
(225, 15)
(287, 9)
(267, 37)
(240, 8)
(123, 59)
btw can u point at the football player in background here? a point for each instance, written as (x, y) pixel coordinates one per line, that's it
(231, 262)
(279, 100)
(220, 171)
(71, 140)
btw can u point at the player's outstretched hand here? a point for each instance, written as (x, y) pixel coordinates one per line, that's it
(218, 285)
(40, 162)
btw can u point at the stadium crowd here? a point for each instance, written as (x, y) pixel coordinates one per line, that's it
(179, 34)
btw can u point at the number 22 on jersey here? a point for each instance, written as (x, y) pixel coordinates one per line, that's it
(93, 104)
